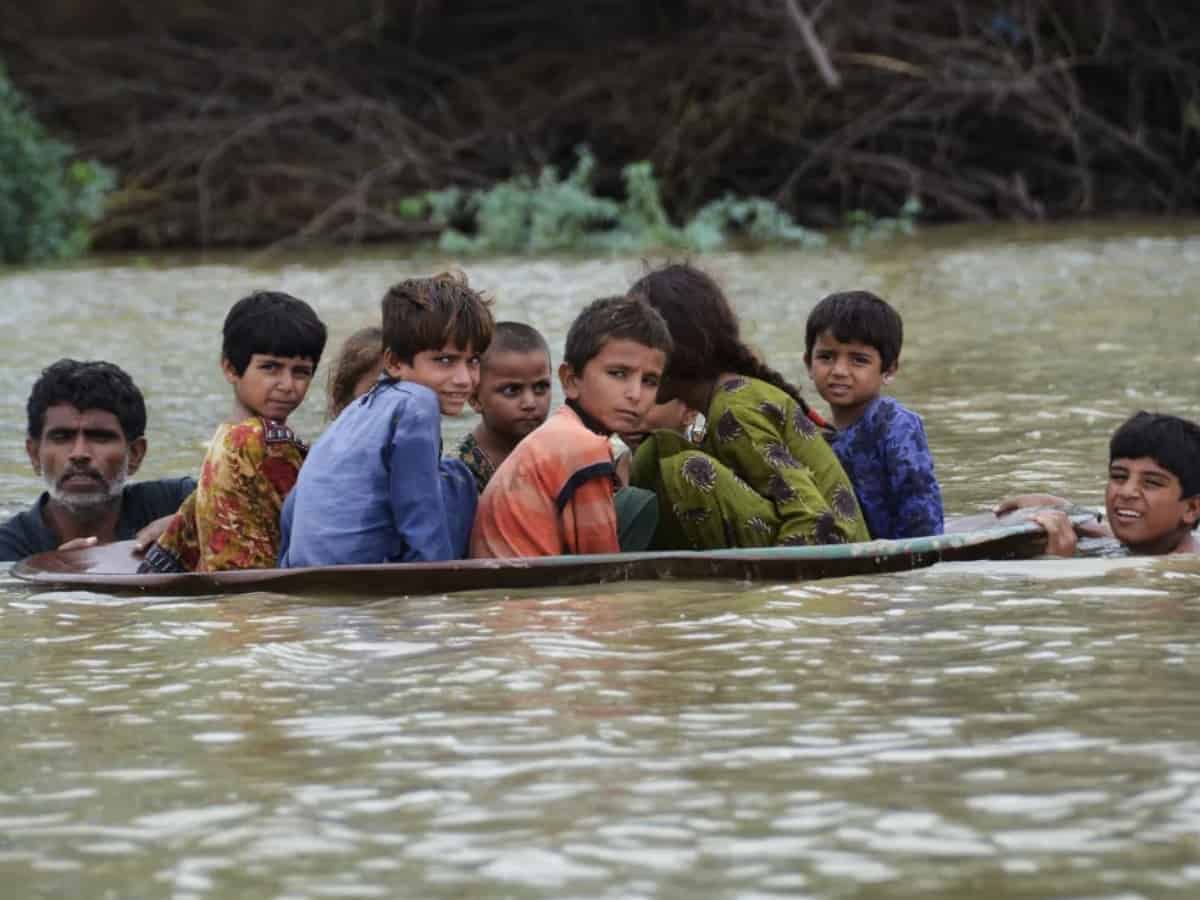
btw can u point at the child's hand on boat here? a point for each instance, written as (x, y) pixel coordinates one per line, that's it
(151, 533)
(1060, 533)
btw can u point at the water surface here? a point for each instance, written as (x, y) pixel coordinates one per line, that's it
(1007, 730)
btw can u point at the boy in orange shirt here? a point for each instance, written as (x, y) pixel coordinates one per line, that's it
(555, 493)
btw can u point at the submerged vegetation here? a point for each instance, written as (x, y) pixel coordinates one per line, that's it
(306, 121)
(537, 215)
(48, 199)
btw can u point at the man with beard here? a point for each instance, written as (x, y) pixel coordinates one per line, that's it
(86, 436)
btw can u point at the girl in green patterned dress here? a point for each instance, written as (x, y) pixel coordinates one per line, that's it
(763, 475)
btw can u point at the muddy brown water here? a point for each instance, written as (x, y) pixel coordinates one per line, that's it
(987, 730)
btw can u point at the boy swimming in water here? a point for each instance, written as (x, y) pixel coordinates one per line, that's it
(1153, 494)
(852, 349)
(513, 397)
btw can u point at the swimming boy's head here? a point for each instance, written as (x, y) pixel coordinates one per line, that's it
(704, 328)
(434, 331)
(616, 351)
(271, 345)
(852, 348)
(513, 396)
(1153, 492)
(356, 369)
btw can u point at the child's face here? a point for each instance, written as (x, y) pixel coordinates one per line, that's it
(367, 380)
(272, 386)
(1146, 507)
(848, 375)
(674, 415)
(618, 385)
(513, 396)
(451, 372)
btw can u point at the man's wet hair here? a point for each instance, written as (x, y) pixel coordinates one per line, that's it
(857, 316)
(628, 318)
(1170, 441)
(271, 323)
(87, 385)
(517, 337)
(428, 313)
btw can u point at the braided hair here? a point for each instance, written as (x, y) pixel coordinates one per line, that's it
(704, 328)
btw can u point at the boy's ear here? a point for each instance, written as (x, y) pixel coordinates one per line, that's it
(229, 370)
(890, 372)
(808, 361)
(1191, 510)
(569, 380)
(395, 366)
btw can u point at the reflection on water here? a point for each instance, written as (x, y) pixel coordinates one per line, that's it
(988, 729)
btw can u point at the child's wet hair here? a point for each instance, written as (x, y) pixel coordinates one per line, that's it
(704, 328)
(1172, 442)
(517, 337)
(615, 318)
(857, 316)
(360, 353)
(272, 323)
(428, 313)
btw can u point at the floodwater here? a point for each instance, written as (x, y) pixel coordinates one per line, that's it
(991, 730)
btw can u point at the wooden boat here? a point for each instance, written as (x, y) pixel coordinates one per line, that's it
(112, 568)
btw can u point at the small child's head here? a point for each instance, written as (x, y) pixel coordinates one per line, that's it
(704, 328)
(616, 351)
(434, 331)
(356, 370)
(674, 415)
(852, 348)
(1153, 492)
(271, 345)
(513, 396)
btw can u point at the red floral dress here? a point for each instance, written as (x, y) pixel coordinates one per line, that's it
(231, 520)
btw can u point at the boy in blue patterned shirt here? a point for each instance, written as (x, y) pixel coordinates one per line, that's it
(852, 348)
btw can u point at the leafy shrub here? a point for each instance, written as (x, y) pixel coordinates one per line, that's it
(48, 200)
(524, 215)
(864, 227)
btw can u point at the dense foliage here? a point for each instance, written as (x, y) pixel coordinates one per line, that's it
(263, 121)
(48, 199)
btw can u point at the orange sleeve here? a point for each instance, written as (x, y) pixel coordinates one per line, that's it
(589, 517)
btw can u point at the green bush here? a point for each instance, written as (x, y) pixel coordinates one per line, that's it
(524, 215)
(48, 200)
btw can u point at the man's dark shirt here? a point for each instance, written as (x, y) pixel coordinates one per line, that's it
(26, 533)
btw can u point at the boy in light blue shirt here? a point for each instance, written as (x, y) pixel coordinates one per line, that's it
(375, 488)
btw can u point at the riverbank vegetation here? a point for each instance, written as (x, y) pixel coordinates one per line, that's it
(265, 122)
(49, 199)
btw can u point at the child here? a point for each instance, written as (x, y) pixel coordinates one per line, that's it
(763, 474)
(674, 415)
(271, 346)
(375, 488)
(513, 397)
(556, 492)
(356, 370)
(1153, 493)
(852, 348)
